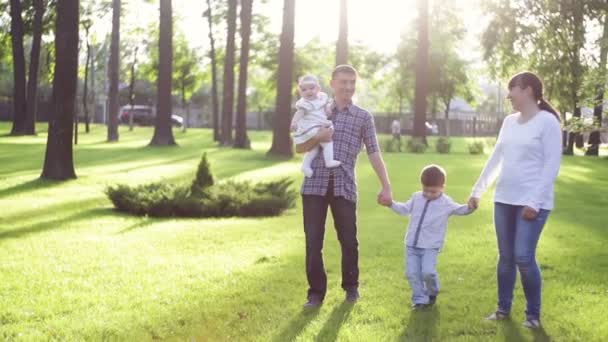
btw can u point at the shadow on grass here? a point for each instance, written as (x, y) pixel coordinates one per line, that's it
(296, 325)
(422, 325)
(511, 330)
(55, 224)
(140, 224)
(34, 184)
(332, 326)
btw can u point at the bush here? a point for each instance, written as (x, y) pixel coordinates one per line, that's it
(203, 199)
(443, 145)
(416, 145)
(476, 147)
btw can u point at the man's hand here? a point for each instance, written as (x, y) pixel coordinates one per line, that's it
(323, 135)
(473, 203)
(529, 214)
(385, 197)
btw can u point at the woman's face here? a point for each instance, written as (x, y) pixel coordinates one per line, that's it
(520, 96)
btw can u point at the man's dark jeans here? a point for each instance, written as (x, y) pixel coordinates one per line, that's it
(345, 222)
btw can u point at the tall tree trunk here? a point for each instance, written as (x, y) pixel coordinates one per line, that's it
(58, 161)
(241, 138)
(447, 118)
(113, 72)
(594, 137)
(214, 96)
(32, 82)
(93, 71)
(228, 103)
(19, 103)
(132, 88)
(342, 44)
(85, 92)
(163, 134)
(422, 54)
(281, 140)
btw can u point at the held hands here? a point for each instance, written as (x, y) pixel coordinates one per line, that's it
(385, 197)
(473, 203)
(529, 214)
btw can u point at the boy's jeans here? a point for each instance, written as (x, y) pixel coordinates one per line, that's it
(420, 269)
(517, 240)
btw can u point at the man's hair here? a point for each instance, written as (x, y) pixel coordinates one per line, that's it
(344, 69)
(308, 79)
(433, 175)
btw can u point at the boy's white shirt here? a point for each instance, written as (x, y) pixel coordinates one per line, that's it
(526, 161)
(435, 222)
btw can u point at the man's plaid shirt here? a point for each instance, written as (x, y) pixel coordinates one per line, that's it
(353, 128)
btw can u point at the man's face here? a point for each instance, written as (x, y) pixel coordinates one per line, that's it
(309, 90)
(343, 85)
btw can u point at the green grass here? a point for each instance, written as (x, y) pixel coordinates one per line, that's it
(72, 268)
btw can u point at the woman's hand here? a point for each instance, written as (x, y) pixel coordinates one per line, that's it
(473, 202)
(529, 214)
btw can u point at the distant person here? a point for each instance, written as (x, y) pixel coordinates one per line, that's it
(429, 210)
(396, 131)
(311, 115)
(526, 161)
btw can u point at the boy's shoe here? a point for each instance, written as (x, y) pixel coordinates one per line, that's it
(333, 163)
(498, 316)
(531, 322)
(432, 300)
(313, 302)
(352, 296)
(419, 306)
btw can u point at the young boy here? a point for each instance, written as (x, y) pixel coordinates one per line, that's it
(429, 210)
(311, 115)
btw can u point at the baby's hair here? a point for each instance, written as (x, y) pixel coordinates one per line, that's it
(433, 175)
(308, 79)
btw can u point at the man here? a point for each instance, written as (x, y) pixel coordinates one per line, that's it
(396, 131)
(336, 188)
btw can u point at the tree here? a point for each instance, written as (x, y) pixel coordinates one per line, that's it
(228, 93)
(281, 140)
(114, 69)
(600, 86)
(18, 69)
(32, 82)
(421, 71)
(186, 74)
(214, 96)
(58, 160)
(163, 135)
(342, 44)
(241, 139)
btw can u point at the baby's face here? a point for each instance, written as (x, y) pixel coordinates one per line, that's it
(309, 91)
(432, 192)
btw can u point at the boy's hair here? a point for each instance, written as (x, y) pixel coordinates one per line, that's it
(308, 79)
(433, 175)
(344, 69)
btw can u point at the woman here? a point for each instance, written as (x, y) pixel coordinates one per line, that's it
(526, 162)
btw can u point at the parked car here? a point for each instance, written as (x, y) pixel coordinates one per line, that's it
(144, 116)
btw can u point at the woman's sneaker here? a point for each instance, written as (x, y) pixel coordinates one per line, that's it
(498, 316)
(532, 322)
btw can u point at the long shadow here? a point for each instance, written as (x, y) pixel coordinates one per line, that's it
(332, 326)
(34, 184)
(511, 330)
(540, 335)
(53, 224)
(422, 325)
(296, 325)
(140, 224)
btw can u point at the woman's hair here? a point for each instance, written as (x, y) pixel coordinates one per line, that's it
(528, 79)
(433, 175)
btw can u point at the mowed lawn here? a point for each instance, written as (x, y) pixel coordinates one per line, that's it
(72, 268)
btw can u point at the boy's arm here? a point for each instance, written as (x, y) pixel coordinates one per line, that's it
(459, 209)
(402, 208)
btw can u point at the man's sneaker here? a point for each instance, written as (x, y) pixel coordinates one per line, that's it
(432, 300)
(419, 306)
(498, 316)
(532, 322)
(313, 302)
(352, 296)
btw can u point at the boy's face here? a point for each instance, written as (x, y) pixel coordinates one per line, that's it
(309, 91)
(432, 192)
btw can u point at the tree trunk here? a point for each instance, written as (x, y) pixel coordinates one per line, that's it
(447, 118)
(228, 103)
(281, 140)
(132, 89)
(342, 44)
(93, 92)
(113, 72)
(214, 96)
(58, 161)
(163, 134)
(32, 82)
(594, 137)
(19, 103)
(421, 71)
(241, 138)
(85, 92)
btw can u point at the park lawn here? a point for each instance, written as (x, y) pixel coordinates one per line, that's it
(72, 268)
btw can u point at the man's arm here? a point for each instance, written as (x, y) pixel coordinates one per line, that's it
(324, 135)
(385, 197)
